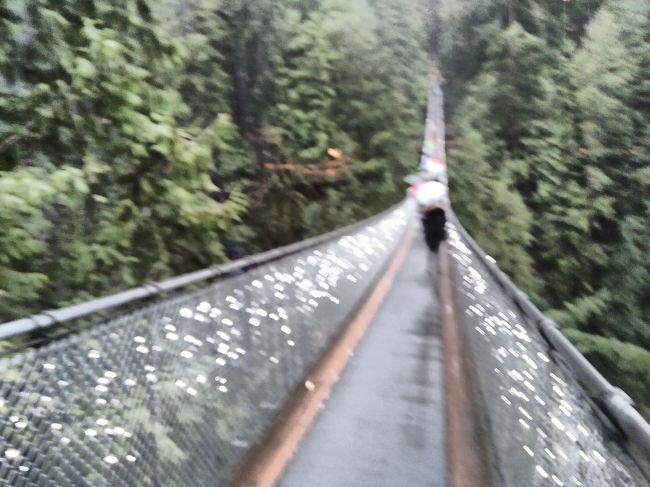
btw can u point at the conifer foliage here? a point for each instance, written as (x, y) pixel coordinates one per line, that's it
(550, 109)
(138, 138)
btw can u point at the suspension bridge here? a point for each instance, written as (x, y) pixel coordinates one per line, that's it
(355, 358)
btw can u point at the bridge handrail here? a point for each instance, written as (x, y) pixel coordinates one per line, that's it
(48, 318)
(615, 402)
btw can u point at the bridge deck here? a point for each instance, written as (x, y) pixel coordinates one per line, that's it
(383, 424)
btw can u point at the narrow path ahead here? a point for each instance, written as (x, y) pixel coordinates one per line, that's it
(383, 424)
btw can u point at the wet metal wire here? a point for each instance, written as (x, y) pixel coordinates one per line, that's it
(542, 428)
(175, 393)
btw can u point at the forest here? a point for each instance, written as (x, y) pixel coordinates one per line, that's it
(548, 119)
(141, 139)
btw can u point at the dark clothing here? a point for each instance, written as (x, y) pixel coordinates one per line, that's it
(434, 228)
(233, 250)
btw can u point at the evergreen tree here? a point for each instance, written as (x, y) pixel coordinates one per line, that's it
(481, 188)
(561, 191)
(117, 191)
(137, 137)
(611, 70)
(551, 102)
(299, 126)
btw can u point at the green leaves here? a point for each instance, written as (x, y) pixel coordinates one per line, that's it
(84, 68)
(563, 129)
(101, 177)
(28, 199)
(131, 141)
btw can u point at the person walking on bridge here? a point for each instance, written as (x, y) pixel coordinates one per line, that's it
(431, 197)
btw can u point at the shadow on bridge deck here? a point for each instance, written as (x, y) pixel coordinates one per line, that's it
(383, 424)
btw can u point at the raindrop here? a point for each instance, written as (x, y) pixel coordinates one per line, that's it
(598, 456)
(541, 471)
(111, 459)
(12, 453)
(557, 480)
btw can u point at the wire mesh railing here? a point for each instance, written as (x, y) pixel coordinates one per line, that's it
(542, 427)
(176, 392)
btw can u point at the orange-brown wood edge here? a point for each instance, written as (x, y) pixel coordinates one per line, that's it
(466, 459)
(265, 464)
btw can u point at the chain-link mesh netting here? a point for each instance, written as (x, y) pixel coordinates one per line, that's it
(542, 428)
(175, 393)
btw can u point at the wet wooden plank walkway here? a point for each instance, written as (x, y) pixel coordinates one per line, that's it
(384, 423)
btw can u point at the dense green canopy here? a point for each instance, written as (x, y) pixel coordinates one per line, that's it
(549, 116)
(138, 137)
